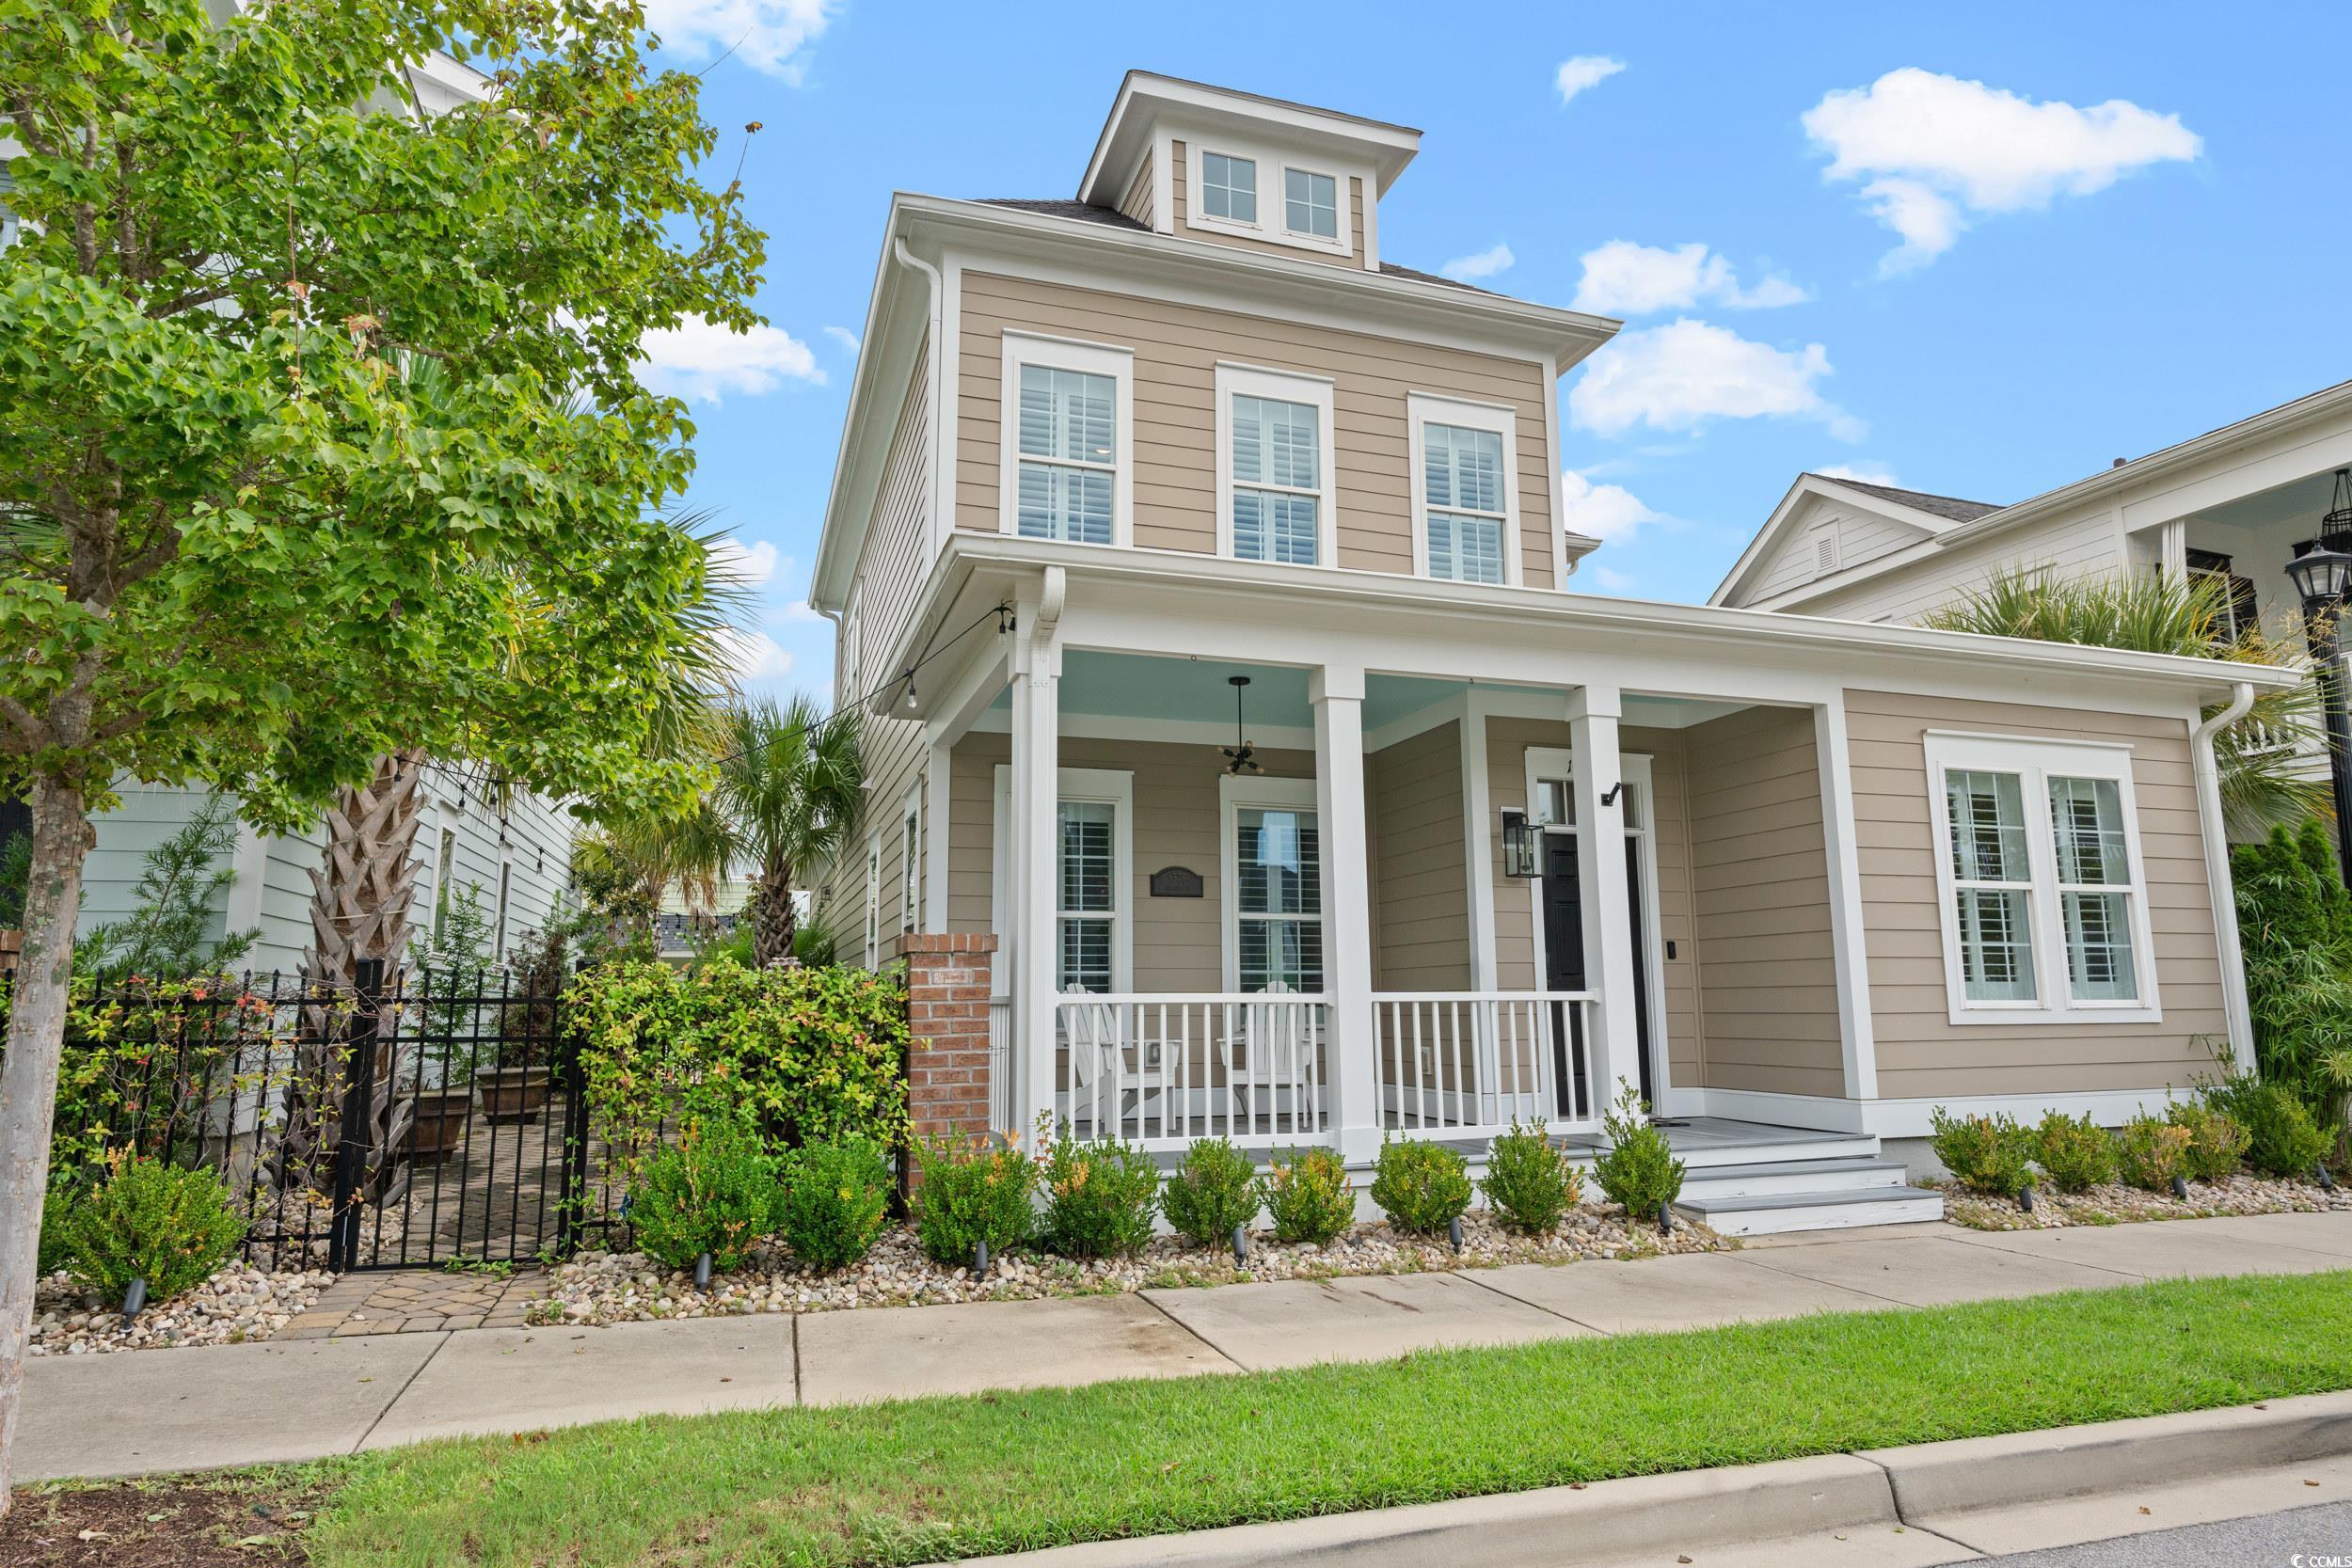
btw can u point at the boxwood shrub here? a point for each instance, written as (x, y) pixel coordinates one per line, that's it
(1420, 1186)
(169, 1224)
(2151, 1152)
(1640, 1172)
(2217, 1140)
(1211, 1194)
(1530, 1183)
(1308, 1196)
(831, 1201)
(2282, 1139)
(1100, 1197)
(712, 1191)
(1986, 1154)
(2074, 1152)
(972, 1191)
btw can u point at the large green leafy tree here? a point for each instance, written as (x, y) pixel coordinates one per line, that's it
(248, 545)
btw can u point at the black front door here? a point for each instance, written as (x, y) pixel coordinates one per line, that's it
(1563, 964)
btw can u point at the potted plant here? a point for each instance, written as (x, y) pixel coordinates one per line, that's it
(517, 1090)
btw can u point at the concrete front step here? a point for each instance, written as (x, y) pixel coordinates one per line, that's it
(1823, 1146)
(1838, 1209)
(1772, 1178)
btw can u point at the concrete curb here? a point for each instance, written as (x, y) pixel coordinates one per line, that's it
(1614, 1519)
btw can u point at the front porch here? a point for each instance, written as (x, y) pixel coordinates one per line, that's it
(1388, 921)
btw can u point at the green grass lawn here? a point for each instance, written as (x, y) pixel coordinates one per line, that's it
(940, 1478)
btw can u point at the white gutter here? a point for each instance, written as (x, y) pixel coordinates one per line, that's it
(934, 511)
(2216, 842)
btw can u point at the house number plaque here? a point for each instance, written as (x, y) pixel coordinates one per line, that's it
(1176, 881)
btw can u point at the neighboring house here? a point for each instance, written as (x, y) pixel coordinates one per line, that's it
(2235, 503)
(1496, 847)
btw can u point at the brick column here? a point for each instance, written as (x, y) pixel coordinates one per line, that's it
(948, 986)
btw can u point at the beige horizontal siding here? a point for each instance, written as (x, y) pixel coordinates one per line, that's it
(1921, 1052)
(1138, 202)
(1177, 348)
(1421, 881)
(1760, 883)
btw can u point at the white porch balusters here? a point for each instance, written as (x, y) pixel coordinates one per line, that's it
(1593, 713)
(1036, 789)
(1351, 1050)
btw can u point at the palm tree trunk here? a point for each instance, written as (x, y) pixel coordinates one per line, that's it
(360, 896)
(772, 916)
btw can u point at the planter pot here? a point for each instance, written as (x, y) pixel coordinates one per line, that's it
(511, 1094)
(439, 1125)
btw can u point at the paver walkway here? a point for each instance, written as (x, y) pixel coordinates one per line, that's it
(238, 1404)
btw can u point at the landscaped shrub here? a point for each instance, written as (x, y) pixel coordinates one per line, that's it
(1529, 1184)
(2281, 1137)
(2217, 1140)
(712, 1191)
(1420, 1186)
(1211, 1194)
(1308, 1196)
(972, 1191)
(169, 1224)
(2294, 929)
(1986, 1154)
(2074, 1152)
(831, 1201)
(1100, 1197)
(802, 1055)
(55, 1251)
(2151, 1152)
(1640, 1172)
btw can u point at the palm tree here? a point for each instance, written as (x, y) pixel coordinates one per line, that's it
(2263, 757)
(790, 785)
(636, 858)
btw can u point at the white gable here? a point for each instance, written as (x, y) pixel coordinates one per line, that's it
(1821, 537)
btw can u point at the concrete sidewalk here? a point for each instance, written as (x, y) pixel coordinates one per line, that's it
(143, 1412)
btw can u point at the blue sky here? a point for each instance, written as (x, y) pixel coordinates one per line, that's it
(1980, 250)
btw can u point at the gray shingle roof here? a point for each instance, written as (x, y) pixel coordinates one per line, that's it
(1919, 500)
(1110, 218)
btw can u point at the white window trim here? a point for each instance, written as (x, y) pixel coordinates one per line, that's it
(873, 901)
(911, 851)
(1251, 381)
(2036, 761)
(1426, 408)
(1272, 225)
(1234, 796)
(1114, 788)
(1068, 354)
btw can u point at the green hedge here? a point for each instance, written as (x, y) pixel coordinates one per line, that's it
(805, 1055)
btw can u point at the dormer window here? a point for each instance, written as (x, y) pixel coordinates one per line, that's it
(1228, 187)
(1310, 203)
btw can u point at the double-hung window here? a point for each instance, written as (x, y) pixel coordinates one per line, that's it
(1274, 466)
(1228, 187)
(1087, 904)
(873, 902)
(1069, 407)
(1310, 203)
(910, 859)
(1465, 502)
(2044, 911)
(1273, 872)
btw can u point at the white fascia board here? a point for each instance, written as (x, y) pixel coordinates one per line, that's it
(1303, 614)
(877, 391)
(1145, 96)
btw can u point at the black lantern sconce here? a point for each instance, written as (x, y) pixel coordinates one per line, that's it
(1519, 844)
(2322, 573)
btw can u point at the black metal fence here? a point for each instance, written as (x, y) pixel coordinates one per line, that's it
(410, 1120)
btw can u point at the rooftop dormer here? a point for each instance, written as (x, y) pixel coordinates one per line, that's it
(1204, 163)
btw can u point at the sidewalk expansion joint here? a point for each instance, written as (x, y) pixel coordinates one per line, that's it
(440, 1344)
(1521, 1301)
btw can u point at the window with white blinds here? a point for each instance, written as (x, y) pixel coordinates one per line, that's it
(1463, 484)
(1279, 900)
(2043, 900)
(1068, 408)
(1086, 899)
(1274, 466)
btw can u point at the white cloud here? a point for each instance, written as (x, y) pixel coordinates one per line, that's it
(1682, 374)
(798, 611)
(1610, 512)
(1862, 474)
(1933, 152)
(1584, 72)
(770, 35)
(1608, 578)
(700, 360)
(842, 335)
(746, 565)
(1485, 264)
(1623, 278)
(755, 656)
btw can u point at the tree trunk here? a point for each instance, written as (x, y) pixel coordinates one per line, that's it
(772, 917)
(360, 896)
(28, 1078)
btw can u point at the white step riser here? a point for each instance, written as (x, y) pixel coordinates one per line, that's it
(1696, 1184)
(1833, 1147)
(1827, 1216)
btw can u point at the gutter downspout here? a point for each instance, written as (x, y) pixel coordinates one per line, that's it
(935, 508)
(2217, 845)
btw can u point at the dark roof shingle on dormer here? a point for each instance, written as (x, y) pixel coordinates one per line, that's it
(1954, 508)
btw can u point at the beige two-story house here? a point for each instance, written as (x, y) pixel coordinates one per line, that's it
(1202, 572)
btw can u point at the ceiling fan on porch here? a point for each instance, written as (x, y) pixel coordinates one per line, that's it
(1240, 757)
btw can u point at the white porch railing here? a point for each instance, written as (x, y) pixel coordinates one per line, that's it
(1464, 1064)
(1163, 1069)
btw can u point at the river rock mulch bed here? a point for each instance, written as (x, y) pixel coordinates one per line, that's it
(609, 1288)
(2114, 1203)
(237, 1303)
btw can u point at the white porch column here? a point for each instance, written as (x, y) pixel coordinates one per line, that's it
(1352, 1068)
(1478, 846)
(1593, 713)
(1856, 1034)
(1035, 791)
